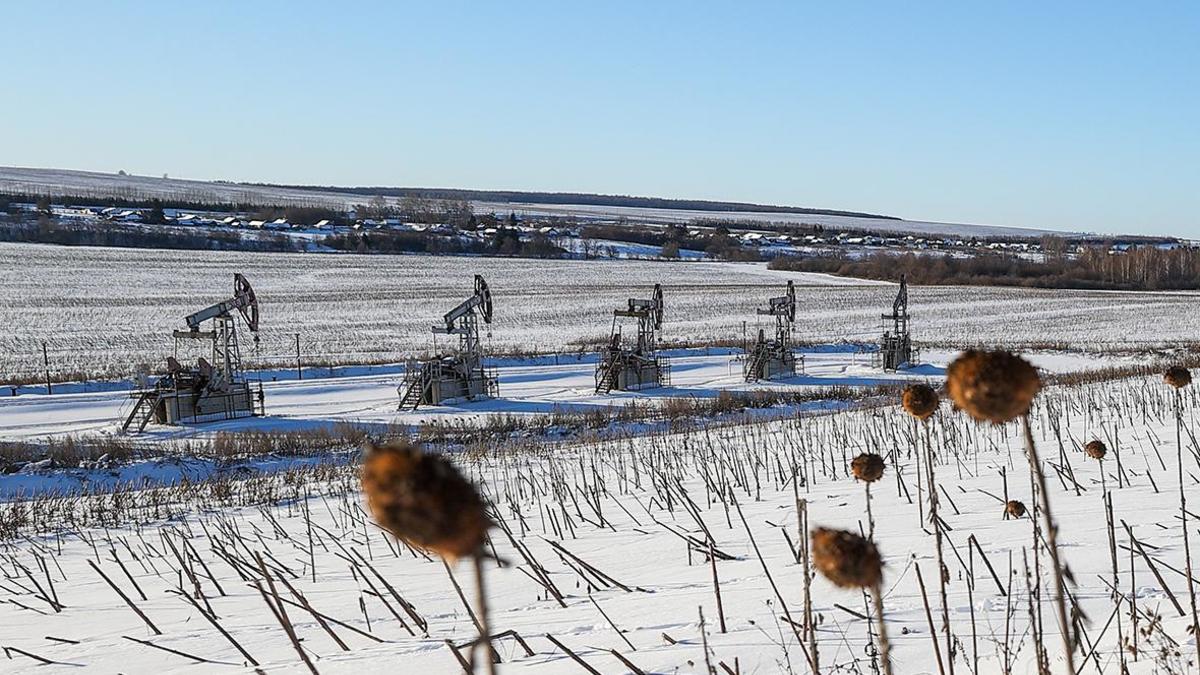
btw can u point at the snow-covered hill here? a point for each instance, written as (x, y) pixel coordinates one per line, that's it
(96, 184)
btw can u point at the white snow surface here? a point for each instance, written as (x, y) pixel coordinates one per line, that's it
(627, 509)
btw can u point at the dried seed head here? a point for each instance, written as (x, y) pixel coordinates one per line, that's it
(1178, 377)
(920, 400)
(992, 386)
(846, 559)
(1014, 508)
(1096, 449)
(867, 467)
(424, 500)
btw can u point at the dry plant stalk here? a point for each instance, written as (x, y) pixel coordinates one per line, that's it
(921, 401)
(849, 560)
(999, 387)
(1096, 449)
(1180, 377)
(424, 501)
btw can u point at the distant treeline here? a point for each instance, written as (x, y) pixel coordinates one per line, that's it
(299, 215)
(651, 236)
(133, 202)
(46, 231)
(505, 242)
(1141, 269)
(717, 243)
(581, 198)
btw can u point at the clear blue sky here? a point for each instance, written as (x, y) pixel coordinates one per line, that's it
(1082, 116)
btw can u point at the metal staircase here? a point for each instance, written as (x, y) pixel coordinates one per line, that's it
(416, 381)
(754, 367)
(142, 412)
(606, 376)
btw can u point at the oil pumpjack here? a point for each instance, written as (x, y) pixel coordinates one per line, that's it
(458, 375)
(213, 389)
(769, 359)
(895, 347)
(639, 366)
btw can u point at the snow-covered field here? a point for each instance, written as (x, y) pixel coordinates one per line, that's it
(112, 310)
(604, 551)
(603, 545)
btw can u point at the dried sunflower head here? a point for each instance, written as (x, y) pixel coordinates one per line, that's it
(1178, 377)
(920, 400)
(423, 500)
(845, 558)
(867, 467)
(993, 386)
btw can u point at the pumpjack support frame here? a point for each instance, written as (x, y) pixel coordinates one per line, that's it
(216, 387)
(895, 346)
(460, 374)
(640, 366)
(774, 358)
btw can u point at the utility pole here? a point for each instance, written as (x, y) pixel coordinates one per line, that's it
(299, 371)
(46, 362)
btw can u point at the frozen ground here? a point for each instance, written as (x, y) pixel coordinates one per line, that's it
(111, 311)
(620, 533)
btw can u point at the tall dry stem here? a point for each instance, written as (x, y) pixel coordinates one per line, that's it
(1064, 621)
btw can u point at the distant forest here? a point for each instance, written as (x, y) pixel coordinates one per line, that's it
(1142, 269)
(46, 231)
(505, 242)
(580, 198)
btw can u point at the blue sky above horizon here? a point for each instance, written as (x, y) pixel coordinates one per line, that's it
(1076, 116)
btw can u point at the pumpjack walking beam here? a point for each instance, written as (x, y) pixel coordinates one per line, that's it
(244, 301)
